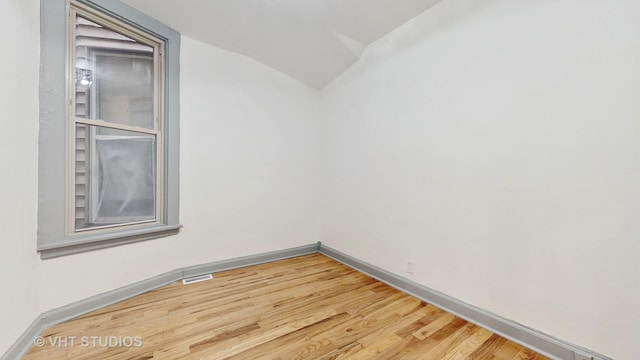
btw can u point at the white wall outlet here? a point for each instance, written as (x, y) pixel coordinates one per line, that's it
(409, 266)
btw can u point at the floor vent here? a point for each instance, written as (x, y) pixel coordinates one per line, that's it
(196, 279)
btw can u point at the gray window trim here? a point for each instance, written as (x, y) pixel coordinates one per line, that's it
(52, 238)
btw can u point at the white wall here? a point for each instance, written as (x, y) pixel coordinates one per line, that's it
(249, 169)
(247, 184)
(495, 143)
(19, 36)
(249, 175)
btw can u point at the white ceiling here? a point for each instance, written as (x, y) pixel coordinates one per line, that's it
(313, 41)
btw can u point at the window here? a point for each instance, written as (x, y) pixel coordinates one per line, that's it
(108, 171)
(115, 108)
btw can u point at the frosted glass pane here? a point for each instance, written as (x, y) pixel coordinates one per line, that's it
(115, 177)
(114, 76)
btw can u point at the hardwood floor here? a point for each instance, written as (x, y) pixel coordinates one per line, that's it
(308, 307)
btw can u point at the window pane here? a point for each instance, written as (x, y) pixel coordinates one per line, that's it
(115, 177)
(114, 76)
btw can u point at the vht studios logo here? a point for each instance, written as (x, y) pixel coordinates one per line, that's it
(89, 341)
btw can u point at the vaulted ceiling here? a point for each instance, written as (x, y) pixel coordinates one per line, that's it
(313, 41)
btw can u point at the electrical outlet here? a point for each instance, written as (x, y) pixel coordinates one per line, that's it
(410, 267)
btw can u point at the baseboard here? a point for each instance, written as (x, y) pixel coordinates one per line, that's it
(24, 342)
(249, 260)
(544, 344)
(55, 316)
(533, 339)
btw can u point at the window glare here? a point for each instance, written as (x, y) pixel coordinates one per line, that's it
(114, 76)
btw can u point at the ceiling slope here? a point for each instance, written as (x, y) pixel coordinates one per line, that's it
(312, 41)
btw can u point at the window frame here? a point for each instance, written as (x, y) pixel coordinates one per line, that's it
(78, 10)
(57, 234)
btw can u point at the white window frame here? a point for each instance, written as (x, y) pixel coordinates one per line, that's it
(57, 233)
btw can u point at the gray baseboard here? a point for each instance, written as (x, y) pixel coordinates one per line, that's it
(533, 339)
(55, 316)
(24, 342)
(249, 260)
(540, 342)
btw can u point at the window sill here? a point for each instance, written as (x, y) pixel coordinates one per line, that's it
(91, 242)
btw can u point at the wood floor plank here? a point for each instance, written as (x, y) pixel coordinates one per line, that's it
(444, 347)
(434, 326)
(471, 344)
(325, 336)
(507, 351)
(308, 307)
(394, 327)
(289, 346)
(379, 348)
(488, 348)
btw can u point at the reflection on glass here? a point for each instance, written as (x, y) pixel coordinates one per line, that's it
(115, 177)
(114, 76)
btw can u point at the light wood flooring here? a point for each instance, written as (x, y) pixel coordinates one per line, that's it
(308, 307)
